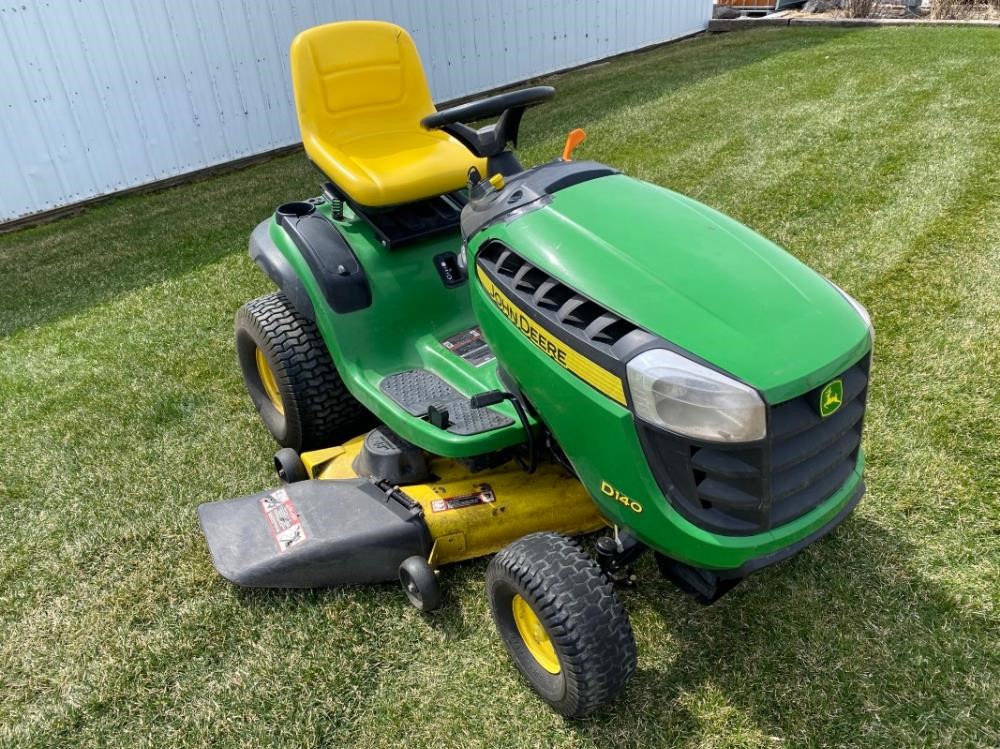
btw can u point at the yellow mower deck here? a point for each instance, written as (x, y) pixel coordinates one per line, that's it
(474, 514)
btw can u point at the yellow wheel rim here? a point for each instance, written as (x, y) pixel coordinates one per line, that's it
(269, 382)
(536, 639)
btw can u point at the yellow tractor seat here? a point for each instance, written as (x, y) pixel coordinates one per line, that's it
(360, 93)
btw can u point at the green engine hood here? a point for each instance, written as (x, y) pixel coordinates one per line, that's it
(699, 279)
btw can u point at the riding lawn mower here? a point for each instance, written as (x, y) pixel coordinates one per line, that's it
(467, 357)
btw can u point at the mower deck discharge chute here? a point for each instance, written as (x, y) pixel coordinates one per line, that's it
(467, 357)
(341, 529)
(315, 533)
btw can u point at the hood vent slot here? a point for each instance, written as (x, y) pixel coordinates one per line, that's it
(508, 263)
(536, 289)
(529, 278)
(579, 312)
(608, 329)
(551, 295)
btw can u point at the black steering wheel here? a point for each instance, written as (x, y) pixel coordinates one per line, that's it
(492, 106)
(489, 141)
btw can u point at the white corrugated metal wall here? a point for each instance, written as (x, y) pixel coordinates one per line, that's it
(101, 95)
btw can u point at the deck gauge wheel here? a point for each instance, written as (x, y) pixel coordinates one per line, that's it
(289, 466)
(420, 583)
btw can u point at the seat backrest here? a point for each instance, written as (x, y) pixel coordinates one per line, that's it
(357, 78)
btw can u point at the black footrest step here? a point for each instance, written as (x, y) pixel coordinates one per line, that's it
(416, 390)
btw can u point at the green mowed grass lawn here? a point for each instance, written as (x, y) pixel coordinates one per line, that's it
(873, 155)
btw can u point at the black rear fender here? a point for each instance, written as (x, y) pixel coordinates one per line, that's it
(266, 254)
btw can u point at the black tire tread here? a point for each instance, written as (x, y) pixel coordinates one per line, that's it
(325, 411)
(581, 611)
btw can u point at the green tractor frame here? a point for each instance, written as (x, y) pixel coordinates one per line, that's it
(466, 357)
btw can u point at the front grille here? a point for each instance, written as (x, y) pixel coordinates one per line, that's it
(563, 308)
(745, 489)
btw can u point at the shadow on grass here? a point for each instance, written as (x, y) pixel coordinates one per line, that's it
(65, 267)
(449, 620)
(844, 641)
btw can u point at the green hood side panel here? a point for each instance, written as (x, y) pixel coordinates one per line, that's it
(599, 437)
(708, 284)
(695, 277)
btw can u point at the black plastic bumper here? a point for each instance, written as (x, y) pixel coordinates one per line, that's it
(789, 551)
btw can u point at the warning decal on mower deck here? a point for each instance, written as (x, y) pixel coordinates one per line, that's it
(470, 345)
(484, 496)
(282, 519)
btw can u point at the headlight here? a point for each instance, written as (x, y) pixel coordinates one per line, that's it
(859, 308)
(680, 395)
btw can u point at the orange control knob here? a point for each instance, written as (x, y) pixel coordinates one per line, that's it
(575, 138)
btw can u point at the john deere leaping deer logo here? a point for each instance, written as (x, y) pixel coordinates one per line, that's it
(831, 397)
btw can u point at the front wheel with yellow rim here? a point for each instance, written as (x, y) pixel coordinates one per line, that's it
(561, 622)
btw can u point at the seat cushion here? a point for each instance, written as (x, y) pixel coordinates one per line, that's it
(390, 168)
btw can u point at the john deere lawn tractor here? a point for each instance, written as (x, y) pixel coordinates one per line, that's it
(466, 357)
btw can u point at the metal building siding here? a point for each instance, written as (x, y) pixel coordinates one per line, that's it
(100, 95)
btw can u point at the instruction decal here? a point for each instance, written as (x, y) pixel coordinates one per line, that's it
(483, 496)
(282, 519)
(471, 346)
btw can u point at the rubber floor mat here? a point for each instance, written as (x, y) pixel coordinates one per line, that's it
(418, 389)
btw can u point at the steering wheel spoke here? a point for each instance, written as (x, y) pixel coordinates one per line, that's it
(489, 141)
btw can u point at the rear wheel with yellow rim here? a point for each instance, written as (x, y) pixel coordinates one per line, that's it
(561, 622)
(291, 378)
(269, 381)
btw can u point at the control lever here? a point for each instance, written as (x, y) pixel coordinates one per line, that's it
(492, 398)
(438, 417)
(474, 178)
(575, 138)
